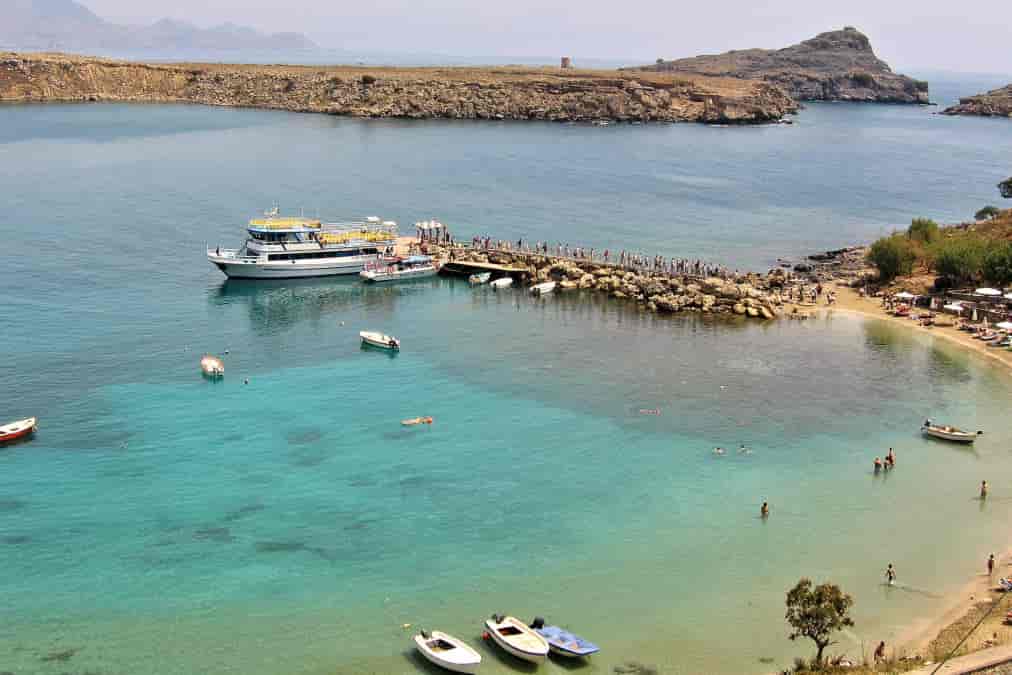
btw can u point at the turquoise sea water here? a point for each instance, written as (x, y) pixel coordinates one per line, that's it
(159, 523)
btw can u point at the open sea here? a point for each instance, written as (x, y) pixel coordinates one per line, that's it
(161, 524)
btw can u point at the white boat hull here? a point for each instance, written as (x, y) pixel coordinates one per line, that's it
(955, 436)
(543, 289)
(504, 282)
(527, 645)
(286, 269)
(380, 340)
(377, 276)
(460, 659)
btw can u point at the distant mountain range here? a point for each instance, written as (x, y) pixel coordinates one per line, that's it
(65, 25)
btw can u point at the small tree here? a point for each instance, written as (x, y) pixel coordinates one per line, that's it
(923, 229)
(892, 256)
(817, 612)
(959, 259)
(997, 266)
(986, 213)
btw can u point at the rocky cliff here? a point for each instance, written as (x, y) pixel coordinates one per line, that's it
(995, 103)
(835, 66)
(459, 93)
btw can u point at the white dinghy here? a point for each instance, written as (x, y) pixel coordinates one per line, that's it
(517, 638)
(543, 289)
(447, 652)
(379, 340)
(948, 433)
(504, 282)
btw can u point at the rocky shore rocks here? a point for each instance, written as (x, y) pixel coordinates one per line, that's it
(833, 66)
(995, 103)
(755, 296)
(508, 93)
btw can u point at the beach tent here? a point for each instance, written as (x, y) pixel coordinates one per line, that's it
(903, 295)
(987, 292)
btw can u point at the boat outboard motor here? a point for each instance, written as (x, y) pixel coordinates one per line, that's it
(538, 623)
(497, 618)
(425, 634)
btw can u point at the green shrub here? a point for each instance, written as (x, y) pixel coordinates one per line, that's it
(986, 213)
(1005, 187)
(997, 267)
(960, 259)
(892, 256)
(923, 229)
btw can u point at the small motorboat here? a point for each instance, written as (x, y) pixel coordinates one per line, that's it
(543, 289)
(503, 282)
(401, 269)
(562, 642)
(16, 430)
(379, 340)
(212, 366)
(950, 433)
(416, 420)
(479, 279)
(517, 638)
(447, 652)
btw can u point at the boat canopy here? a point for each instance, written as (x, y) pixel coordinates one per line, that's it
(274, 224)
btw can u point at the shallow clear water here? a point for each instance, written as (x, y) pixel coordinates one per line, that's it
(164, 524)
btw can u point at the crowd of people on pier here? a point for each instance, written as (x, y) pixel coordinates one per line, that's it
(626, 259)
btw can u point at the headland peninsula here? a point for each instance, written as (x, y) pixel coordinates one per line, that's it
(995, 103)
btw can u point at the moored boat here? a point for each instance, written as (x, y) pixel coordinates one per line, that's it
(517, 638)
(950, 433)
(416, 420)
(212, 366)
(379, 340)
(400, 269)
(283, 248)
(562, 642)
(479, 279)
(16, 430)
(447, 652)
(543, 289)
(504, 282)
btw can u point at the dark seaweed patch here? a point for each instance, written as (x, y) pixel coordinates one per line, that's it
(304, 437)
(293, 547)
(62, 655)
(232, 438)
(11, 505)
(361, 482)
(242, 512)
(16, 539)
(218, 534)
(308, 459)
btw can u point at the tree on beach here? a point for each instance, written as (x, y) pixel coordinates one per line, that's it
(816, 612)
(960, 260)
(1006, 188)
(892, 256)
(998, 264)
(923, 229)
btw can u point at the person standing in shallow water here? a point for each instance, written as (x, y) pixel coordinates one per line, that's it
(983, 489)
(764, 510)
(890, 575)
(891, 459)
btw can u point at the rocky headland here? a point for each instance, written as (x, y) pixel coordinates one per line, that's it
(995, 103)
(833, 66)
(504, 93)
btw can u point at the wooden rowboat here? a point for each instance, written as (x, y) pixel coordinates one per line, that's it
(16, 430)
(447, 652)
(517, 638)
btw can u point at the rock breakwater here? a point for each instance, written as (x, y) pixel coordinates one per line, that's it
(508, 93)
(654, 287)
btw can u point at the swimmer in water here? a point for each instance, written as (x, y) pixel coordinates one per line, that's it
(983, 489)
(878, 465)
(742, 450)
(764, 510)
(718, 451)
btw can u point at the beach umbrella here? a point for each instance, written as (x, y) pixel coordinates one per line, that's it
(1008, 296)
(903, 295)
(954, 307)
(988, 292)
(1004, 325)
(974, 317)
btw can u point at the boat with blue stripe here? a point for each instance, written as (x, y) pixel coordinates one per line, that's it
(562, 642)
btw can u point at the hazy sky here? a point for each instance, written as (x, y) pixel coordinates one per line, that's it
(970, 35)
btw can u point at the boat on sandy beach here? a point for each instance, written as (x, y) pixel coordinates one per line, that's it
(479, 279)
(16, 430)
(543, 289)
(950, 433)
(504, 282)
(380, 340)
(400, 269)
(283, 248)
(447, 652)
(517, 638)
(562, 642)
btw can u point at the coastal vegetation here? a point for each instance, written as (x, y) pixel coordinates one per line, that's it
(987, 213)
(817, 612)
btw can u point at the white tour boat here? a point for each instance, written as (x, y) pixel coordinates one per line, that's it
(447, 652)
(285, 248)
(517, 638)
(379, 340)
(400, 269)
